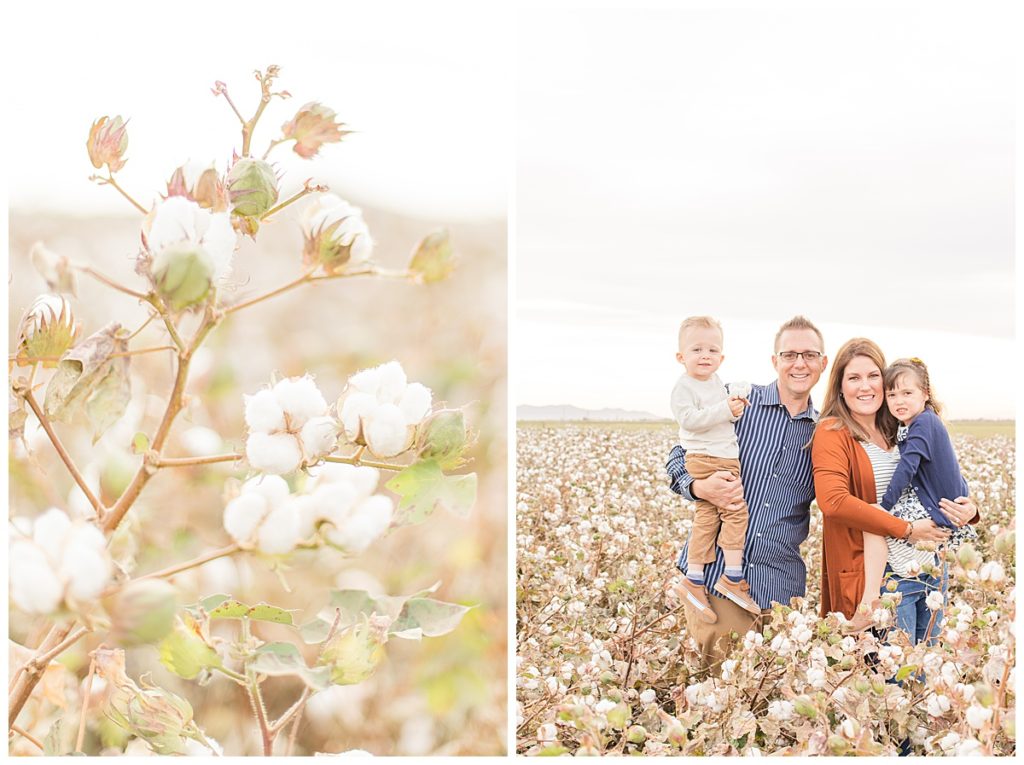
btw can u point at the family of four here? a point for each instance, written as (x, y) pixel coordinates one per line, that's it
(752, 457)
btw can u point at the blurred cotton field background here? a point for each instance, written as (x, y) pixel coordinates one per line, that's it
(445, 695)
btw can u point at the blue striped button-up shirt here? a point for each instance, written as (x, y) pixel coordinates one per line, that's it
(778, 485)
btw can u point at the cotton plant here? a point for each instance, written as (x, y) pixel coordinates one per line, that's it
(311, 473)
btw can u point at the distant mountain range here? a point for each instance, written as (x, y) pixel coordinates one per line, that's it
(526, 413)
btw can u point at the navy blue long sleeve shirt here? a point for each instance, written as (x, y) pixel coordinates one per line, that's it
(778, 486)
(929, 464)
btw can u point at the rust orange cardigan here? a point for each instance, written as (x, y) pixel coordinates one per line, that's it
(844, 486)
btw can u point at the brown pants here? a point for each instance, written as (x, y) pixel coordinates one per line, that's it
(711, 523)
(715, 640)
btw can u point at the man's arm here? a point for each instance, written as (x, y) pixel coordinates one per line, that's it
(722, 489)
(679, 480)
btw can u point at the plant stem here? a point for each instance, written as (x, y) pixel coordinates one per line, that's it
(252, 687)
(63, 454)
(111, 283)
(267, 295)
(28, 675)
(85, 706)
(144, 325)
(109, 180)
(272, 145)
(354, 460)
(240, 679)
(287, 202)
(178, 568)
(166, 462)
(155, 301)
(174, 406)
(28, 736)
(120, 354)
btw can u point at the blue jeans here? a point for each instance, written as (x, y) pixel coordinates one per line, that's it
(913, 614)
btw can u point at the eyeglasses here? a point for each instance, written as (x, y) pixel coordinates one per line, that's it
(808, 356)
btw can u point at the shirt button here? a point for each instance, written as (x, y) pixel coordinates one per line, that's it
(775, 475)
(759, 533)
(766, 504)
(783, 448)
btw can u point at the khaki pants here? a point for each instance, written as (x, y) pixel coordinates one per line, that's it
(715, 639)
(711, 523)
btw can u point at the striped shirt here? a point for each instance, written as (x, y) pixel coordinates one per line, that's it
(901, 553)
(778, 486)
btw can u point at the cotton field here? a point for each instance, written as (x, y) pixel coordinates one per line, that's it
(605, 666)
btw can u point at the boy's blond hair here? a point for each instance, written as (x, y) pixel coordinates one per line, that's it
(702, 322)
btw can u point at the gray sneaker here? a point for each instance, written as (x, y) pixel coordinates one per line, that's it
(738, 593)
(694, 595)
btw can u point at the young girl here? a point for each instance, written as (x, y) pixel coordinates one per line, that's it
(927, 471)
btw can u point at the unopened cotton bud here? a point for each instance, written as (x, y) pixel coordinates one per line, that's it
(319, 436)
(354, 653)
(279, 532)
(415, 402)
(107, 143)
(47, 329)
(263, 412)
(142, 611)
(1005, 542)
(387, 434)
(273, 453)
(300, 399)
(182, 274)
(804, 706)
(968, 556)
(243, 515)
(252, 187)
(433, 260)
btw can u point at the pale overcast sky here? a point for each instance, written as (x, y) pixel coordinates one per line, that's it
(856, 166)
(426, 85)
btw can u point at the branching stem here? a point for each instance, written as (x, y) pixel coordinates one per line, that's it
(169, 462)
(290, 200)
(109, 181)
(178, 568)
(355, 460)
(28, 737)
(85, 706)
(112, 283)
(63, 454)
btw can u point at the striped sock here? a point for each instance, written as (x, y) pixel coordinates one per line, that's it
(734, 573)
(695, 574)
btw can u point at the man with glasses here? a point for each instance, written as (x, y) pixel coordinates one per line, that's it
(777, 484)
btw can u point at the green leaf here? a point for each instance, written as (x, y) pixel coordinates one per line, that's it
(279, 659)
(353, 604)
(427, 617)
(905, 672)
(89, 380)
(433, 259)
(53, 745)
(186, 654)
(553, 750)
(226, 607)
(423, 486)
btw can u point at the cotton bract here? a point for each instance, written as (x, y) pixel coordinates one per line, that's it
(55, 561)
(381, 409)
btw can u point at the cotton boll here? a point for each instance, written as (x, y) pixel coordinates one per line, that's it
(387, 434)
(202, 442)
(357, 405)
(367, 522)
(273, 453)
(272, 487)
(173, 221)
(392, 383)
(300, 399)
(243, 514)
(86, 569)
(35, 588)
(220, 240)
(415, 403)
(319, 436)
(365, 480)
(334, 501)
(263, 413)
(49, 531)
(367, 381)
(330, 472)
(308, 511)
(279, 532)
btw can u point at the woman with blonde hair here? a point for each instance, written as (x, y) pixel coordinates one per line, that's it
(854, 458)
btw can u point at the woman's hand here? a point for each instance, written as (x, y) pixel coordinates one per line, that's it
(722, 489)
(926, 531)
(960, 511)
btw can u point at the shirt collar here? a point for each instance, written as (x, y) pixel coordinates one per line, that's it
(771, 398)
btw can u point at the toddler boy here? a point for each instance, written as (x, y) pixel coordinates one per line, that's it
(705, 411)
